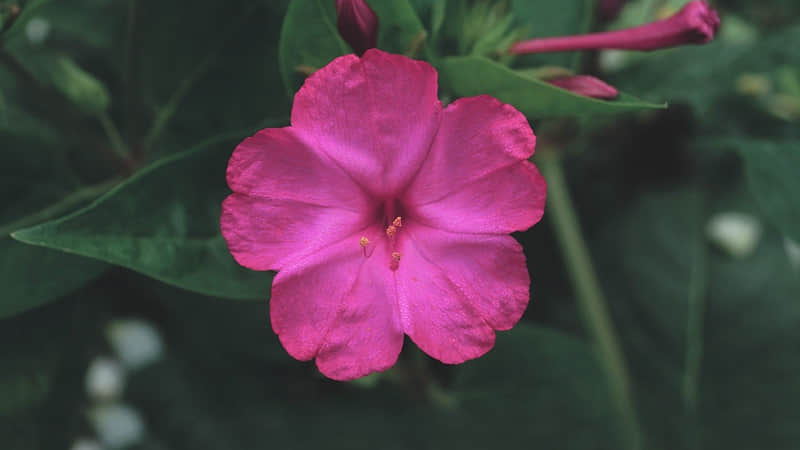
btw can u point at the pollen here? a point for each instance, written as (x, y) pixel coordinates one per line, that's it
(395, 262)
(363, 243)
(392, 229)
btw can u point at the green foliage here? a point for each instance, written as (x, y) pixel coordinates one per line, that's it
(691, 315)
(159, 223)
(310, 39)
(44, 356)
(468, 76)
(495, 398)
(97, 111)
(771, 168)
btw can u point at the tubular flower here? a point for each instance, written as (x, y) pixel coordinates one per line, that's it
(386, 214)
(357, 23)
(586, 85)
(695, 23)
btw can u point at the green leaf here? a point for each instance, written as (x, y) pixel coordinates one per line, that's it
(218, 73)
(399, 26)
(690, 316)
(35, 181)
(773, 170)
(33, 276)
(524, 391)
(45, 354)
(310, 39)
(468, 76)
(164, 223)
(545, 18)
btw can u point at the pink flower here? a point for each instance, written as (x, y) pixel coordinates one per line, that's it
(386, 215)
(585, 85)
(695, 23)
(358, 24)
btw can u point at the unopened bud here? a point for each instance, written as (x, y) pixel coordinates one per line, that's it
(586, 85)
(695, 23)
(358, 24)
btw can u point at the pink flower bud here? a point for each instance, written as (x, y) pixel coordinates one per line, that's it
(358, 24)
(695, 23)
(586, 85)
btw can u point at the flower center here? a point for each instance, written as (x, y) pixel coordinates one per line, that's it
(389, 215)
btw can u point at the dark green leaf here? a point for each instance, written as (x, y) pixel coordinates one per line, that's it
(164, 223)
(524, 391)
(309, 40)
(45, 355)
(773, 171)
(468, 76)
(691, 316)
(35, 181)
(545, 18)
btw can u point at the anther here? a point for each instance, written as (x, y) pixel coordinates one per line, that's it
(397, 222)
(391, 230)
(364, 242)
(395, 262)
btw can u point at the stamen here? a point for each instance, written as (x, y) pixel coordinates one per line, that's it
(395, 262)
(364, 242)
(391, 230)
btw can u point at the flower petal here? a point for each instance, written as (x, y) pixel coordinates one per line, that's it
(477, 136)
(339, 306)
(436, 314)
(489, 270)
(375, 116)
(274, 163)
(263, 233)
(505, 200)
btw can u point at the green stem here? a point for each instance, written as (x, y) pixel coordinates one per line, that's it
(60, 207)
(694, 331)
(130, 73)
(590, 297)
(165, 113)
(114, 137)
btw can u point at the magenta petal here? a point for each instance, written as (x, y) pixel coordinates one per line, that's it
(505, 200)
(339, 306)
(490, 270)
(435, 313)
(275, 163)
(263, 234)
(477, 136)
(375, 116)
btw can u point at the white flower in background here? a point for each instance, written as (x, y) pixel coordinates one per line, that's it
(86, 444)
(736, 233)
(117, 425)
(37, 30)
(136, 342)
(105, 379)
(793, 252)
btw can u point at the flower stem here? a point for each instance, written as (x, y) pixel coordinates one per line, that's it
(591, 302)
(118, 146)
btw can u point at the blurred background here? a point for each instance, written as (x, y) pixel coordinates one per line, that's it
(125, 323)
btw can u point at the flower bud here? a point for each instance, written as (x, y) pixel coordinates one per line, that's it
(695, 23)
(358, 24)
(586, 85)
